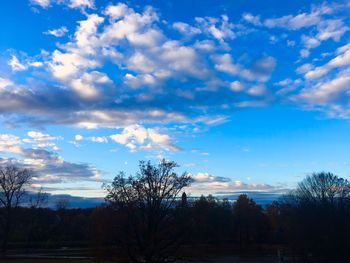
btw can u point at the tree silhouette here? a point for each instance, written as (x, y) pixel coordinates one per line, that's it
(318, 212)
(13, 181)
(250, 222)
(146, 206)
(322, 188)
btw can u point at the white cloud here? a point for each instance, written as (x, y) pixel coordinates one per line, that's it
(26, 63)
(142, 56)
(329, 91)
(42, 140)
(98, 139)
(294, 22)
(16, 65)
(42, 3)
(257, 90)
(186, 29)
(87, 85)
(136, 135)
(80, 4)
(302, 20)
(304, 68)
(10, 143)
(5, 83)
(219, 28)
(39, 136)
(260, 71)
(78, 137)
(206, 177)
(341, 60)
(139, 81)
(9, 140)
(47, 166)
(319, 19)
(205, 45)
(310, 42)
(332, 28)
(59, 32)
(304, 53)
(237, 86)
(207, 183)
(118, 11)
(255, 20)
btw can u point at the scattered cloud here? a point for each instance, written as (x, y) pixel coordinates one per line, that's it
(98, 139)
(59, 32)
(342, 59)
(186, 29)
(207, 183)
(47, 166)
(5, 83)
(261, 69)
(16, 65)
(81, 4)
(255, 20)
(41, 3)
(137, 137)
(154, 79)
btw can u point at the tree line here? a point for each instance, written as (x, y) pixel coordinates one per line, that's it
(148, 218)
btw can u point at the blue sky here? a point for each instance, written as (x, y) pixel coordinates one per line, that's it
(244, 95)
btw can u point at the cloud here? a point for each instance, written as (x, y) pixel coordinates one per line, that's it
(219, 28)
(8, 140)
(42, 137)
(186, 29)
(261, 70)
(302, 20)
(205, 183)
(125, 65)
(59, 32)
(327, 87)
(24, 64)
(80, 4)
(47, 166)
(99, 139)
(156, 79)
(137, 137)
(5, 83)
(206, 178)
(294, 22)
(42, 140)
(319, 21)
(255, 20)
(16, 65)
(304, 68)
(334, 90)
(41, 3)
(342, 59)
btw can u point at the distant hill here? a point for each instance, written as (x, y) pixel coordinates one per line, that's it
(262, 198)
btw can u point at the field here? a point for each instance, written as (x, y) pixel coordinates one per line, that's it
(209, 260)
(44, 261)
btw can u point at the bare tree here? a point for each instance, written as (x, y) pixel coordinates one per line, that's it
(315, 217)
(146, 203)
(39, 199)
(13, 182)
(322, 188)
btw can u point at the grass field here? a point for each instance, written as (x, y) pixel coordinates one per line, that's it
(88, 261)
(44, 261)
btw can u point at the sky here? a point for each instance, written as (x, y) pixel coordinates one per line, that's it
(244, 95)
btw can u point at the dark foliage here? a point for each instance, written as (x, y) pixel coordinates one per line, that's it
(312, 222)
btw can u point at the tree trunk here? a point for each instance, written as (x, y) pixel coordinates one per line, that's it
(7, 228)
